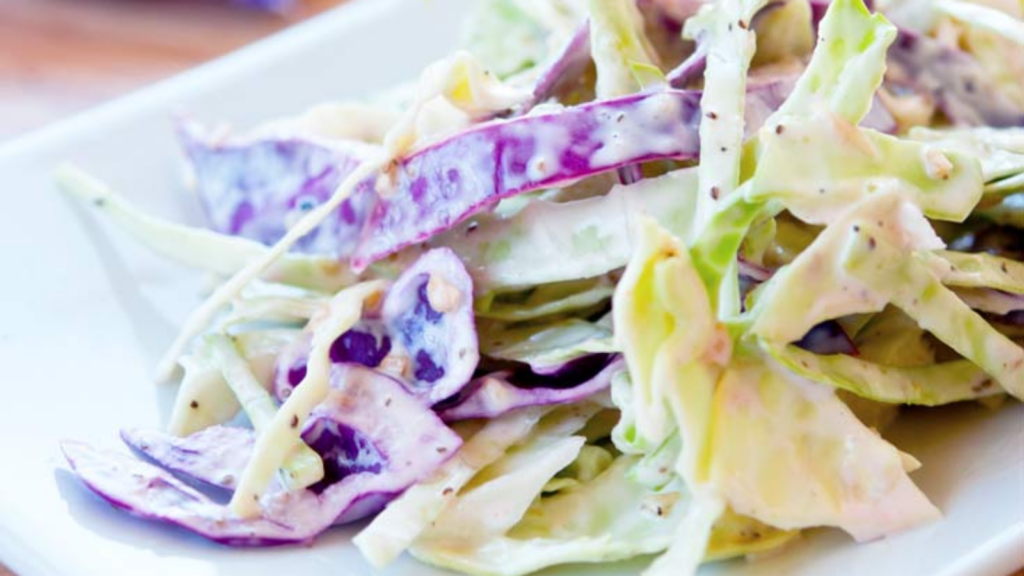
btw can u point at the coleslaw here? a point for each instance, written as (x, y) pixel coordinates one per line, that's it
(617, 278)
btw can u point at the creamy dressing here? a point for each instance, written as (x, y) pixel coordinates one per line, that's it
(281, 436)
(876, 242)
(595, 232)
(797, 457)
(303, 467)
(818, 285)
(840, 164)
(650, 126)
(765, 437)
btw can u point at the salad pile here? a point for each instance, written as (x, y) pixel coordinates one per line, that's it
(619, 278)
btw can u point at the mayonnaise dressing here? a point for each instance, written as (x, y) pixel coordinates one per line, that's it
(281, 435)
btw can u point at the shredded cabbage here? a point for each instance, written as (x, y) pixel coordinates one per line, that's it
(553, 305)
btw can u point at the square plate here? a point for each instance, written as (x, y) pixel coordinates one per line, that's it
(85, 314)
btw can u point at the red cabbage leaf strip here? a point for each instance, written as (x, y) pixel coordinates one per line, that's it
(763, 98)
(1015, 318)
(429, 313)
(291, 368)
(362, 430)
(425, 334)
(957, 82)
(495, 394)
(750, 277)
(753, 272)
(690, 69)
(828, 337)
(439, 186)
(565, 69)
(376, 440)
(149, 492)
(275, 6)
(996, 304)
(211, 458)
(257, 186)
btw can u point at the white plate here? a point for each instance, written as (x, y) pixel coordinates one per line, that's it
(85, 313)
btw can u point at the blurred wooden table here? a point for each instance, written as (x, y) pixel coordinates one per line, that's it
(61, 56)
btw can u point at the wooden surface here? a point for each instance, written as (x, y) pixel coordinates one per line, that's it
(61, 56)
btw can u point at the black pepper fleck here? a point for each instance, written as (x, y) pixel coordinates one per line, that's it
(295, 421)
(194, 404)
(780, 129)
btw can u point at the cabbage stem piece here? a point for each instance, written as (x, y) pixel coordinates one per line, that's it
(730, 42)
(931, 385)
(204, 398)
(200, 248)
(303, 467)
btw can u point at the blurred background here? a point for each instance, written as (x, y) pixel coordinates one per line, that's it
(58, 57)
